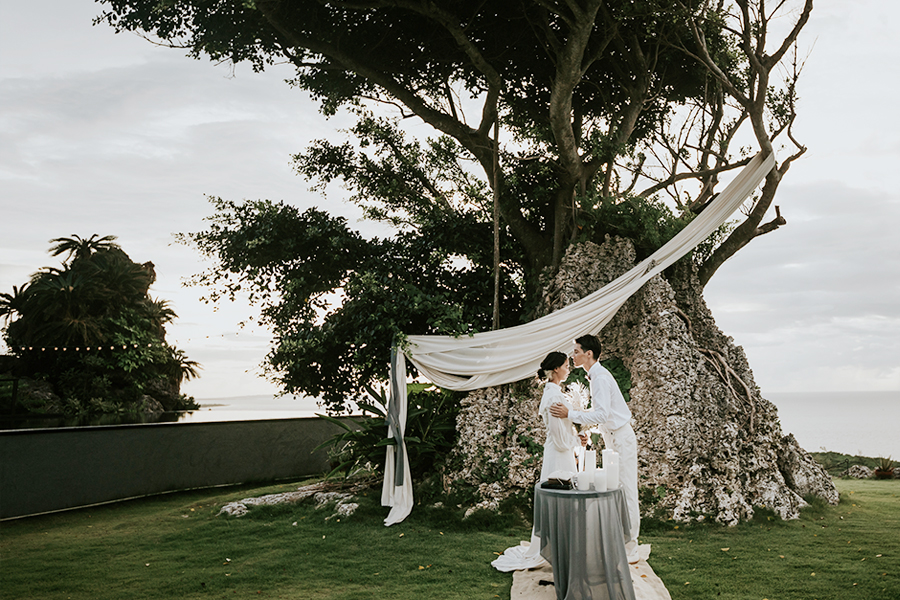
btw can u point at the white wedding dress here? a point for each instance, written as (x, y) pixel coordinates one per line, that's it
(559, 455)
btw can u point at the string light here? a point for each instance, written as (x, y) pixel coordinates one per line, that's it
(86, 349)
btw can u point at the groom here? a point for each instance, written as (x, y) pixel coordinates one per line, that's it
(611, 413)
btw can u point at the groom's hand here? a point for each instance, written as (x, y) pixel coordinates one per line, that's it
(559, 410)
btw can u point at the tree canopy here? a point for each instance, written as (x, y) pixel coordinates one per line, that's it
(577, 118)
(91, 330)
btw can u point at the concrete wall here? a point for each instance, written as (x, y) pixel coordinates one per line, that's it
(43, 470)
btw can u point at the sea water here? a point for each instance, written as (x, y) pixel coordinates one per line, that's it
(856, 423)
(863, 423)
(253, 408)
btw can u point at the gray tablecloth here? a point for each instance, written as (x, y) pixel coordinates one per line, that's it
(582, 537)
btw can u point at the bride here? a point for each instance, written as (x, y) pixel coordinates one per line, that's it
(559, 454)
(559, 448)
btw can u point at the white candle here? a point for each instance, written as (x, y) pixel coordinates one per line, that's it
(611, 464)
(590, 460)
(600, 480)
(585, 480)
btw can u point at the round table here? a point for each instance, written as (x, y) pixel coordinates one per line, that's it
(582, 537)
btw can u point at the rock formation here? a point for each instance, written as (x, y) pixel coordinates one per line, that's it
(710, 445)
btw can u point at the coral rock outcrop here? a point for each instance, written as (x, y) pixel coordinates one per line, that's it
(710, 446)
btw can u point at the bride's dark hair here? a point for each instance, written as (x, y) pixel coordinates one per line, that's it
(554, 360)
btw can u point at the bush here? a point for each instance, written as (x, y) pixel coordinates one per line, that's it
(430, 432)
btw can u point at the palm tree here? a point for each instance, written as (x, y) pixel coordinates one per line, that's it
(159, 313)
(62, 309)
(12, 304)
(81, 248)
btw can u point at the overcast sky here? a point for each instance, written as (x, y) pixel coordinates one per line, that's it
(108, 134)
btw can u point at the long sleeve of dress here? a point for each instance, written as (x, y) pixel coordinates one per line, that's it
(560, 432)
(561, 435)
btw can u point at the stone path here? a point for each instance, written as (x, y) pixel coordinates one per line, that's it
(647, 586)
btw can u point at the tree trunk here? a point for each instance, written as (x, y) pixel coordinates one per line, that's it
(710, 447)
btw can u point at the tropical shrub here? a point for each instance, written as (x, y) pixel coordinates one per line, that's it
(430, 432)
(91, 330)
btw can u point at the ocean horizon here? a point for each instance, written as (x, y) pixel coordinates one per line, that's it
(856, 423)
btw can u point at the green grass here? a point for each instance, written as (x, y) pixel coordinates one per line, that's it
(175, 546)
(848, 551)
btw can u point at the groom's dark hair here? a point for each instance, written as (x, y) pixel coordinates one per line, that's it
(590, 342)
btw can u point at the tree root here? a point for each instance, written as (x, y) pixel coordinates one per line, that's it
(717, 360)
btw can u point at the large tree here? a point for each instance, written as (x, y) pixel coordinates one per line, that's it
(590, 117)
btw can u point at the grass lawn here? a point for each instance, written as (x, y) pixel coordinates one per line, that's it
(175, 546)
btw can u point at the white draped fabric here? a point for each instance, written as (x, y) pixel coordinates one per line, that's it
(397, 489)
(506, 355)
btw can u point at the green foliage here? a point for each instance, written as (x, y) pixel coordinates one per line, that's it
(430, 432)
(295, 265)
(621, 374)
(836, 463)
(647, 222)
(91, 329)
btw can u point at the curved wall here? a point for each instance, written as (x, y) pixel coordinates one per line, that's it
(44, 470)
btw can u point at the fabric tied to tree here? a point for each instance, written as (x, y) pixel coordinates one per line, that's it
(506, 355)
(396, 490)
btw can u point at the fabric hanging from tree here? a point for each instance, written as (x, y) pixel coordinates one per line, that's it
(506, 355)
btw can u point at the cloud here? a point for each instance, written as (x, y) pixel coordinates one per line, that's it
(820, 294)
(108, 134)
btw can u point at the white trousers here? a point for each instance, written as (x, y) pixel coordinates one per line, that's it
(623, 441)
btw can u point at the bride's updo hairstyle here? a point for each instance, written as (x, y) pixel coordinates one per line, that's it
(554, 360)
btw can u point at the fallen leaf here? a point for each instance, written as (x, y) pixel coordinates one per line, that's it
(421, 568)
(781, 556)
(401, 535)
(877, 556)
(725, 549)
(812, 574)
(644, 575)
